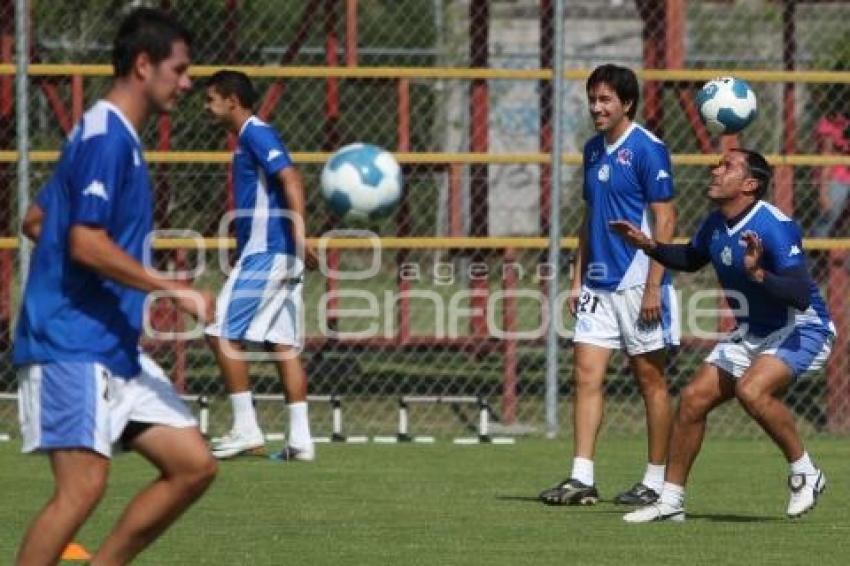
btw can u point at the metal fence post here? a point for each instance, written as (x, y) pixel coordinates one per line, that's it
(555, 227)
(22, 118)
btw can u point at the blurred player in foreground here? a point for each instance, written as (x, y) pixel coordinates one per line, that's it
(81, 385)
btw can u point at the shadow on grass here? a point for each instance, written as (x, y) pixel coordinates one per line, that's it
(536, 499)
(730, 518)
(608, 507)
(711, 517)
(521, 498)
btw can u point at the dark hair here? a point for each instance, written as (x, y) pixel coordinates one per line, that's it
(622, 79)
(145, 30)
(234, 83)
(757, 168)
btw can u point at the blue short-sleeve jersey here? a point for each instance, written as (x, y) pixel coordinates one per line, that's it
(620, 182)
(68, 312)
(756, 310)
(262, 222)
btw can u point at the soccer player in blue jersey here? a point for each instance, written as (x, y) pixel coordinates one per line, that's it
(81, 384)
(783, 327)
(621, 299)
(262, 299)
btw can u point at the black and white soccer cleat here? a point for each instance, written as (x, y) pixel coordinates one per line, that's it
(639, 494)
(570, 492)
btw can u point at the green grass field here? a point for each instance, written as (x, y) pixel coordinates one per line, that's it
(445, 504)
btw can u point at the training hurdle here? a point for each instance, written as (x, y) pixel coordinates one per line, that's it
(202, 402)
(336, 416)
(404, 435)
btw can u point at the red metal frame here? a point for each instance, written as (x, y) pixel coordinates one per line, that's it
(77, 98)
(547, 61)
(351, 33)
(653, 58)
(331, 140)
(510, 355)
(837, 382)
(231, 30)
(403, 214)
(275, 91)
(479, 135)
(783, 184)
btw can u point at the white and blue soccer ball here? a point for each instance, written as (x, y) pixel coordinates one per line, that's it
(726, 105)
(361, 181)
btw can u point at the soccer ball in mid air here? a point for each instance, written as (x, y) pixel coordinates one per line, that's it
(726, 105)
(361, 181)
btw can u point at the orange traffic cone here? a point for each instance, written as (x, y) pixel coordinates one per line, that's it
(75, 551)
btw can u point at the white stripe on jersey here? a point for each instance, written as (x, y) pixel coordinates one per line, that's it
(649, 134)
(745, 219)
(96, 120)
(609, 149)
(778, 214)
(258, 240)
(639, 267)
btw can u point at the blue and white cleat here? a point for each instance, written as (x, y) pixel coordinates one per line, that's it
(293, 454)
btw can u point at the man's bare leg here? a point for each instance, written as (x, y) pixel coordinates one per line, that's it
(186, 470)
(80, 480)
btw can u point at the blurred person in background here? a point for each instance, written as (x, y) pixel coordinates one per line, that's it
(832, 134)
(262, 300)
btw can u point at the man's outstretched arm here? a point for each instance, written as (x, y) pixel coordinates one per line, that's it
(681, 257)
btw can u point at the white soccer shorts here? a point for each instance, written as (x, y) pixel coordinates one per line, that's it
(610, 319)
(82, 405)
(803, 348)
(262, 301)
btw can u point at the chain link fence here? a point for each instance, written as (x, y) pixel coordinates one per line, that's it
(422, 334)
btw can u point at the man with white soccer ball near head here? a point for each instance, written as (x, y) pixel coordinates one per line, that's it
(262, 301)
(783, 327)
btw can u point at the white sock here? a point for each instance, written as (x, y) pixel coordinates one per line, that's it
(673, 495)
(299, 425)
(244, 416)
(653, 477)
(582, 470)
(804, 466)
